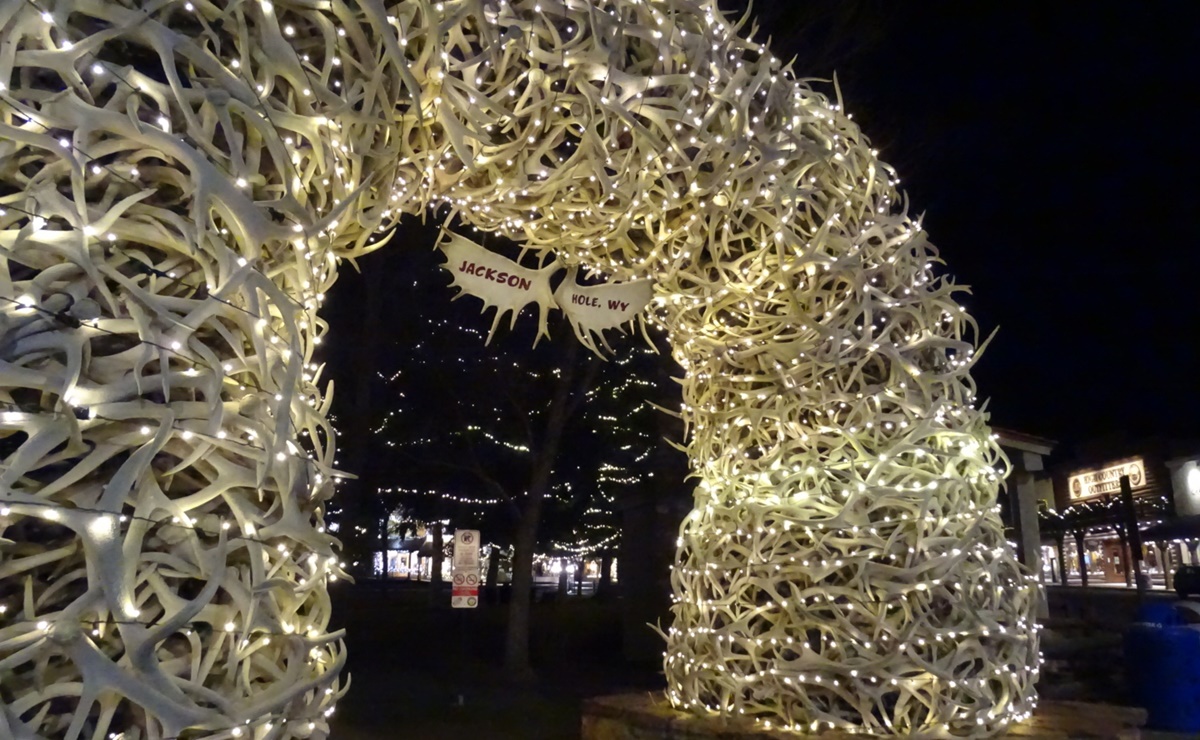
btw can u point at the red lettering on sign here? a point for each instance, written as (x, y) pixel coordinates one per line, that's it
(594, 302)
(496, 276)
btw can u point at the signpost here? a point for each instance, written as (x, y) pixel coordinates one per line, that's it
(464, 570)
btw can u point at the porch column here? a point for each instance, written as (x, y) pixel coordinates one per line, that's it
(1126, 556)
(1060, 541)
(1024, 503)
(1158, 561)
(1083, 573)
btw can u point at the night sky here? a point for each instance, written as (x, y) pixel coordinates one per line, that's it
(1051, 148)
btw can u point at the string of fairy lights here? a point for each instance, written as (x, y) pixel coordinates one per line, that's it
(625, 468)
(87, 412)
(105, 525)
(90, 408)
(613, 409)
(897, 315)
(825, 368)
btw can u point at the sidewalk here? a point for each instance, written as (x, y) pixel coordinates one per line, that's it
(437, 674)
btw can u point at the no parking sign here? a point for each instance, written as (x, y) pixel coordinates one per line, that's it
(464, 570)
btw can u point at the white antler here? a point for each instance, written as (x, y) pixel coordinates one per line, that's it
(179, 181)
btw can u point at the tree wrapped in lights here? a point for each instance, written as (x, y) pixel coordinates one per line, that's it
(181, 179)
(615, 446)
(532, 447)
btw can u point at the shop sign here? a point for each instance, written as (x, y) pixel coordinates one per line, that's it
(1106, 480)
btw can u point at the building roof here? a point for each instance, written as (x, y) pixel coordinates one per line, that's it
(1182, 459)
(1182, 528)
(1015, 440)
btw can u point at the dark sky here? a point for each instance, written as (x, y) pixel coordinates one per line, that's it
(1052, 148)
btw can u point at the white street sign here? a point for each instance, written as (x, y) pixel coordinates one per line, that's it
(464, 570)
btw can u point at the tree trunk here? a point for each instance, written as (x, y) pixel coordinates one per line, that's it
(516, 639)
(384, 536)
(435, 568)
(493, 575)
(579, 576)
(1083, 572)
(563, 587)
(516, 642)
(604, 583)
(649, 525)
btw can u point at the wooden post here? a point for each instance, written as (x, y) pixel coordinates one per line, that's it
(1166, 561)
(1135, 537)
(493, 575)
(1083, 574)
(1125, 555)
(435, 568)
(604, 582)
(1060, 542)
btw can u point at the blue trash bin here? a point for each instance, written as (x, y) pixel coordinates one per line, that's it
(1159, 613)
(1162, 660)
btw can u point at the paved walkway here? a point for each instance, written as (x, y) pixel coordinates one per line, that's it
(436, 673)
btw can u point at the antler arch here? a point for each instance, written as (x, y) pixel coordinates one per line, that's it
(181, 180)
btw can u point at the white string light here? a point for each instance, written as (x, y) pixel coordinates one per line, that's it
(180, 364)
(826, 365)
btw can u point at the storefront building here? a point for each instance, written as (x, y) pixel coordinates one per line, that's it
(1091, 534)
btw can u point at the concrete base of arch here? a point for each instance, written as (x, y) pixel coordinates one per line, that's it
(648, 716)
